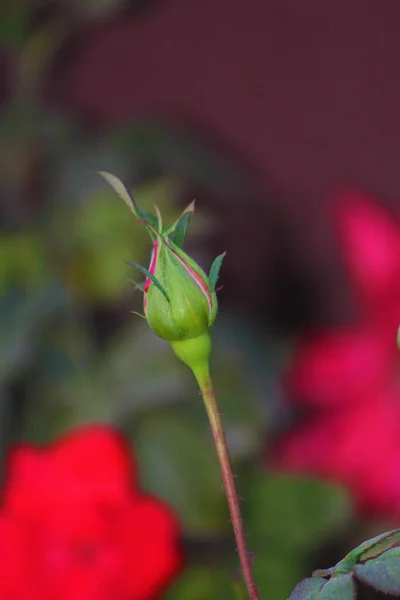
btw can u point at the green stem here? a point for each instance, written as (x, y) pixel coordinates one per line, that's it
(201, 372)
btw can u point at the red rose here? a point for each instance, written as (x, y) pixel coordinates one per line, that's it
(359, 448)
(349, 374)
(371, 243)
(75, 526)
(340, 367)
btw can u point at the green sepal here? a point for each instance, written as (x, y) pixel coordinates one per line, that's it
(123, 193)
(139, 286)
(159, 220)
(177, 232)
(148, 219)
(214, 271)
(150, 276)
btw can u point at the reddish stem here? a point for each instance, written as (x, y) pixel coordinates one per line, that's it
(210, 402)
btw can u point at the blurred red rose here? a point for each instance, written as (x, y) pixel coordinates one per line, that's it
(340, 367)
(349, 373)
(75, 526)
(359, 447)
(371, 247)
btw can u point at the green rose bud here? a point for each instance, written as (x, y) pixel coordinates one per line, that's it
(180, 302)
(187, 306)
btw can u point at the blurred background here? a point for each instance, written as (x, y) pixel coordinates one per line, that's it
(281, 119)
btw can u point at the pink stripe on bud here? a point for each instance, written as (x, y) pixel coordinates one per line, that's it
(152, 267)
(200, 282)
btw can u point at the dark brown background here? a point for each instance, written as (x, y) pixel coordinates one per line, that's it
(308, 92)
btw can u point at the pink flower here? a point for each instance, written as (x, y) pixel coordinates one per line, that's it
(359, 448)
(371, 247)
(349, 374)
(340, 367)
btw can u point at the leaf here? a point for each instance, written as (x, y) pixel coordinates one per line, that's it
(150, 276)
(338, 588)
(214, 271)
(317, 588)
(307, 589)
(389, 540)
(383, 574)
(139, 286)
(294, 512)
(123, 193)
(368, 549)
(177, 232)
(276, 574)
(121, 190)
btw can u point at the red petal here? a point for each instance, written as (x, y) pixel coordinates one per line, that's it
(20, 577)
(371, 241)
(340, 367)
(152, 547)
(90, 462)
(354, 448)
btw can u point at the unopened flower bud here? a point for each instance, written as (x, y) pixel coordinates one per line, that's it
(180, 302)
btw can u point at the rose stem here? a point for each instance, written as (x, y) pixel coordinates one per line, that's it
(204, 380)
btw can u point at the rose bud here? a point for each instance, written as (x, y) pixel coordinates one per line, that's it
(180, 302)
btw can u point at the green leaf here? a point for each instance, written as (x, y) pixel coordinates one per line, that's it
(214, 271)
(139, 286)
(123, 193)
(338, 588)
(121, 190)
(150, 276)
(177, 462)
(293, 512)
(317, 588)
(276, 574)
(383, 574)
(389, 540)
(369, 549)
(177, 232)
(149, 219)
(308, 589)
